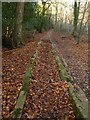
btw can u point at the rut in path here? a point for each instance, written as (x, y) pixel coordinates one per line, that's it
(48, 96)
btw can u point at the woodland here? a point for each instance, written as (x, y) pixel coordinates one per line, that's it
(45, 73)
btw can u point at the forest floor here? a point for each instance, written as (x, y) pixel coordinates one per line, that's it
(47, 96)
(76, 57)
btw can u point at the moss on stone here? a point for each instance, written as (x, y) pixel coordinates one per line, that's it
(23, 93)
(79, 99)
(63, 72)
(16, 113)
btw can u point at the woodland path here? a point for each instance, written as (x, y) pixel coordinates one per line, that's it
(47, 96)
(76, 59)
(33, 70)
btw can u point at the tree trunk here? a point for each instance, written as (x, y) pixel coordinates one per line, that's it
(43, 13)
(80, 29)
(56, 13)
(17, 41)
(76, 15)
(44, 9)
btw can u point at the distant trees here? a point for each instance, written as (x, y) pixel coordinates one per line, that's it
(71, 18)
(12, 20)
(8, 23)
(80, 19)
(44, 9)
(37, 16)
(56, 9)
(42, 15)
(19, 18)
(81, 23)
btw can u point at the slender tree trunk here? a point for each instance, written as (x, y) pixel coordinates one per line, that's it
(44, 9)
(80, 29)
(17, 41)
(76, 15)
(43, 13)
(56, 13)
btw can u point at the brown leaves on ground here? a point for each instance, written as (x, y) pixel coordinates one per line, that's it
(14, 65)
(48, 97)
(48, 101)
(76, 57)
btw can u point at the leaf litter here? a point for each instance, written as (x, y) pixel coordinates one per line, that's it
(76, 57)
(48, 97)
(14, 65)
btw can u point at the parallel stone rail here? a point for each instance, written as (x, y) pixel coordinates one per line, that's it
(23, 93)
(80, 102)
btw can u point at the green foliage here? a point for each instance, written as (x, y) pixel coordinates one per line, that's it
(33, 18)
(17, 112)
(8, 15)
(47, 23)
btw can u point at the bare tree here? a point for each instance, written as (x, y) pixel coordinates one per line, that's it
(81, 23)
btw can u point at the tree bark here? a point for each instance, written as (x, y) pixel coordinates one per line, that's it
(43, 13)
(44, 9)
(80, 29)
(76, 15)
(17, 41)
